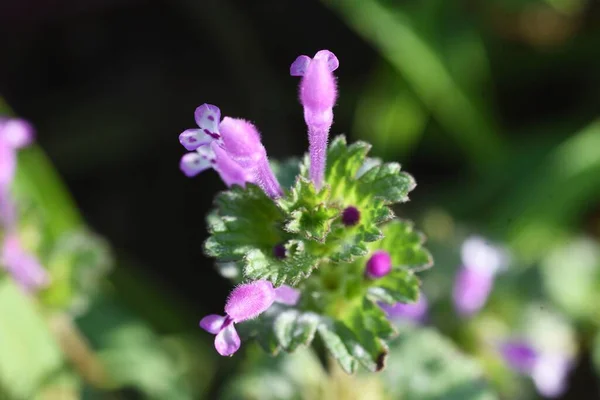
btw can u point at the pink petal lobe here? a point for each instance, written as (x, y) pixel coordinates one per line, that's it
(191, 139)
(298, 67)
(208, 117)
(212, 323)
(287, 295)
(227, 340)
(17, 133)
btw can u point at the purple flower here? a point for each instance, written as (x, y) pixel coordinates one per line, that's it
(245, 302)
(22, 266)
(415, 312)
(379, 265)
(550, 374)
(14, 134)
(475, 279)
(519, 355)
(318, 93)
(232, 147)
(350, 216)
(548, 370)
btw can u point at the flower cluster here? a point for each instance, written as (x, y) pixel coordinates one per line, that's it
(21, 265)
(314, 245)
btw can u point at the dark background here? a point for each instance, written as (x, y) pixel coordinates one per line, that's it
(110, 84)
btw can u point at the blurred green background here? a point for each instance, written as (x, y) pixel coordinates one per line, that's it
(492, 105)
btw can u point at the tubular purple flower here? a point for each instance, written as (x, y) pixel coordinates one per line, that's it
(318, 93)
(232, 147)
(22, 266)
(245, 302)
(379, 265)
(242, 143)
(414, 312)
(475, 279)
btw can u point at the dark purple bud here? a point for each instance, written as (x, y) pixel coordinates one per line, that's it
(350, 216)
(379, 265)
(279, 251)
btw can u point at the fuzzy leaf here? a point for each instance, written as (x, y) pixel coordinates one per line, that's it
(337, 346)
(405, 246)
(245, 220)
(398, 286)
(297, 264)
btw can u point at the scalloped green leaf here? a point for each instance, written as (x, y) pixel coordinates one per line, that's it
(405, 245)
(294, 328)
(246, 219)
(398, 286)
(290, 270)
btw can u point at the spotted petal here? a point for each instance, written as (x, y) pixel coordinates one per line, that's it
(193, 163)
(191, 139)
(208, 118)
(332, 61)
(212, 323)
(227, 340)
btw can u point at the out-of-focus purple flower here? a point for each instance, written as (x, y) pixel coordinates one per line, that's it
(548, 370)
(379, 265)
(22, 266)
(232, 147)
(550, 374)
(245, 302)
(519, 355)
(475, 279)
(414, 312)
(318, 93)
(14, 134)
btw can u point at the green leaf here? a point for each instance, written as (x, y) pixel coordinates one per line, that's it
(310, 215)
(405, 246)
(245, 220)
(286, 171)
(290, 270)
(328, 332)
(29, 352)
(294, 328)
(398, 286)
(423, 365)
(370, 187)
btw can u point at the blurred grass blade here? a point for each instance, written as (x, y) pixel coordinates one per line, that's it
(555, 194)
(397, 40)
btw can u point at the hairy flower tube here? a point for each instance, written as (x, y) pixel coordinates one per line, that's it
(245, 302)
(475, 279)
(549, 370)
(318, 255)
(21, 265)
(232, 147)
(318, 93)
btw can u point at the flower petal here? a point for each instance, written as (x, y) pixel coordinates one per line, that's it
(471, 290)
(298, 67)
(519, 355)
(415, 312)
(191, 139)
(193, 163)
(212, 323)
(24, 268)
(208, 118)
(227, 341)
(250, 300)
(16, 132)
(550, 375)
(8, 163)
(332, 61)
(477, 253)
(287, 295)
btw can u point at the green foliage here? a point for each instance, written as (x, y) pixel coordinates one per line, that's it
(405, 246)
(423, 365)
(30, 354)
